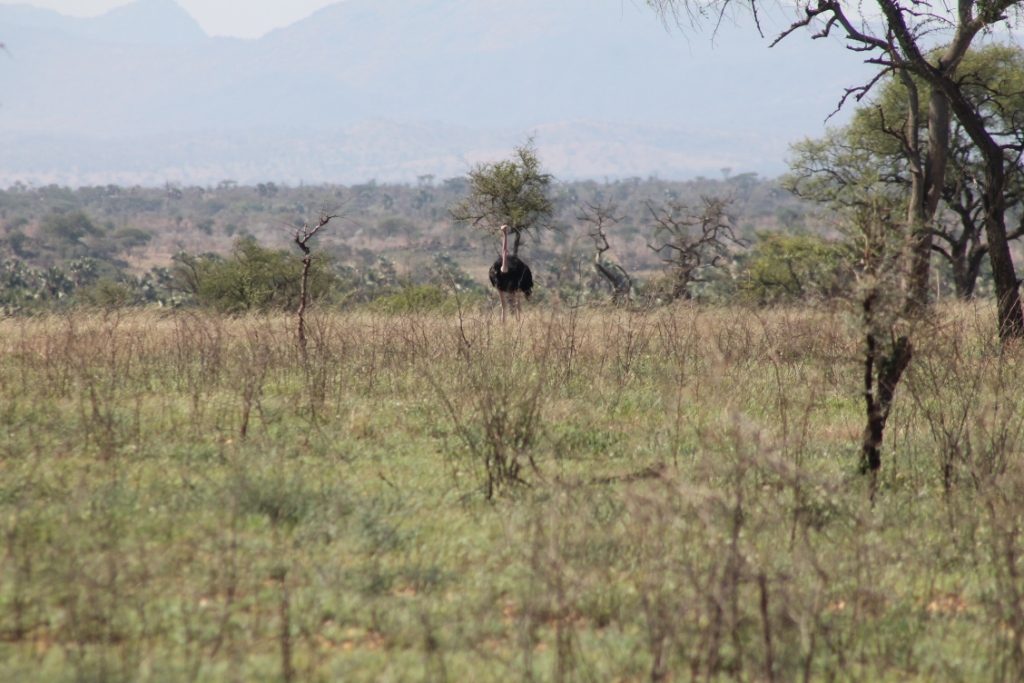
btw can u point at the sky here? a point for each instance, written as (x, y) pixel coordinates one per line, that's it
(237, 18)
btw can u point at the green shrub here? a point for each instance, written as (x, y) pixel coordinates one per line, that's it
(66, 230)
(783, 268)
(251, 278)
(419, 298)
(108, 293)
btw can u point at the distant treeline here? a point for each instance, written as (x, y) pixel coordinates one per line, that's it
(230, 246)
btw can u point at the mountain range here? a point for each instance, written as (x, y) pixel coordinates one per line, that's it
(395, 89)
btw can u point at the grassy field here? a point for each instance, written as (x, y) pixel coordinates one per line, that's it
(582, 495)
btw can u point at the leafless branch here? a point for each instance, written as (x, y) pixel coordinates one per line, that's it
(305, 233)
(598, 216)
(859, 92)
(692, 242)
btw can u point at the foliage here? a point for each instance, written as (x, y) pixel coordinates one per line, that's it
(901, 43)
(107, 293)
(136, 227)
(791, 268)
(424, 298)
(835, 169)
(869, 153)
(514, 192)
(447, 272)
(25, 288)
(65, 232)
(251, 278)
(194, 218)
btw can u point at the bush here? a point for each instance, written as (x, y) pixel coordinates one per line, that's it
(108, 293)
(251, 278)
(419, 298)
(783, 268)
(65, 230)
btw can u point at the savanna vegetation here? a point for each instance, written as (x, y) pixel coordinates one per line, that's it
(183, 246)
(584, 494)
(669, 468)
(656, 473)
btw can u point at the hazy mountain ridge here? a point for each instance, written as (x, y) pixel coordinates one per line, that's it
(603, 86)
(158, 22)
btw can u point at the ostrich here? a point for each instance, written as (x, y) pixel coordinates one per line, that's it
(510, 275)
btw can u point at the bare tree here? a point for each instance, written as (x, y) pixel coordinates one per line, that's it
(598, 216)
(692, 242)
(302, 236)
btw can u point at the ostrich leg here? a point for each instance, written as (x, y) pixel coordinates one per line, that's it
(501, 297)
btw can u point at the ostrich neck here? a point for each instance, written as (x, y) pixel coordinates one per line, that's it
(504, 252)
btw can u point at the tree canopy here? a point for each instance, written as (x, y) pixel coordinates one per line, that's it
(870, 156)
(901, 40)
(513, 192)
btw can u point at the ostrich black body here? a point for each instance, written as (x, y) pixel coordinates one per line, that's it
(517, 279)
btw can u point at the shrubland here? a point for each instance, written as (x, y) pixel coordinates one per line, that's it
(584, 493)
(175, 246)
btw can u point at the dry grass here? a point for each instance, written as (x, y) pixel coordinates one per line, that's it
(577, 495)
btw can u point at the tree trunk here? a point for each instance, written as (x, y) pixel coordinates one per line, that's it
(1004, 275)
(974, 261)
(927, 182)
(303, 297)
(920, 237)
(620, 282)
(879, 390)
(963, 283)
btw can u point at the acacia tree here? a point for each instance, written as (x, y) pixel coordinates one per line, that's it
(512, 192)
(996, 84)
(897, 45)
(872, 151)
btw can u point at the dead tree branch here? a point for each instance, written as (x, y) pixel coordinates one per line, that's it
(302, 236)
(598, 216)
(692, 243)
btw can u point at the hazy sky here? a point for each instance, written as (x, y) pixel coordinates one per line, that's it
(240, 18)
